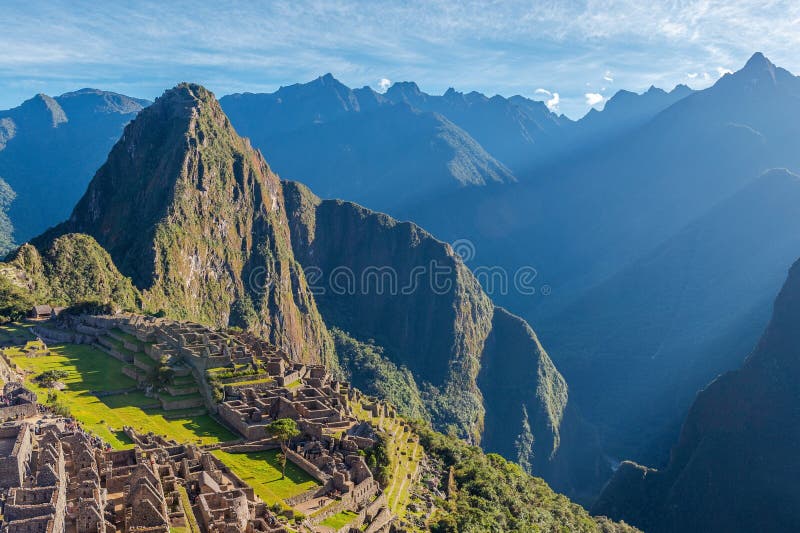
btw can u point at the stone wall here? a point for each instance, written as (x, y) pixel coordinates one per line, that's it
(12, 467)
(168, 403)
(22, 410)
(306, 465)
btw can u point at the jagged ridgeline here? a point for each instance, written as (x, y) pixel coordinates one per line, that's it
(185, 218)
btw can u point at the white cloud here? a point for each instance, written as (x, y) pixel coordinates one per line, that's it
(552, 101)
(721, 71)
(592, 99)
(384, 84)
(692, 75)
(608, 77)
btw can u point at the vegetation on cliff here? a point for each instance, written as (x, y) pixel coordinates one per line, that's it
(366, 367)
(477, 371)
(7, 195)
(70, 269)
(486, 493)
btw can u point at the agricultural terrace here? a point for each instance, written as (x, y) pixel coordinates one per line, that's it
(102, 398)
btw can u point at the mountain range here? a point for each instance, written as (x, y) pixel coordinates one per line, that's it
(659, 229)
(49, 149)
(185, 219)
(603, 209)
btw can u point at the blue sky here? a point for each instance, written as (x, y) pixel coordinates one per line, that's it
(582, 50)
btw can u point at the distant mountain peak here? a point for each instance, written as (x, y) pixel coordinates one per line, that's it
(99, 101)
(328, 79)
(758, 61)
(758, 67)
(45, 108)
(655, 90)
(681, 88)
(404, 91)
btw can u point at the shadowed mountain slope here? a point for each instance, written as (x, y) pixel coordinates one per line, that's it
(735, 465)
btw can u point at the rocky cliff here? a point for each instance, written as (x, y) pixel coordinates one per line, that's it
(196, 218)
(735, 466)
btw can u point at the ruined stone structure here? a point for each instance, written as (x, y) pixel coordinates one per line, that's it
(16, 446)
(147, 343)
(61, 480)
(331, 440)
(17, 403)
(58, 479)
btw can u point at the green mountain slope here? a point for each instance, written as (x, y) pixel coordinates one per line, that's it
(71, 268)
(195, 217)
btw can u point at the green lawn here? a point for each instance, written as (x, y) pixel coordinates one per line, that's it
(339, 520)
(262, 471)
(91, 370)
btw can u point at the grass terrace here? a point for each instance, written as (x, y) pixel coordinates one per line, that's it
(262, 471)
(93, 374)
(339, 520)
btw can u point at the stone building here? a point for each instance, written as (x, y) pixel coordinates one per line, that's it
(17, 402)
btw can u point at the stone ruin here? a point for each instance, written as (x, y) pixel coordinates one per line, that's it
(56, 479)
(140, 489)
(17, 402)
(331, 443)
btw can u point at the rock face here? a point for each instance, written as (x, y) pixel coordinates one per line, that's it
(481, 371)
(195, 217)
(735, 465)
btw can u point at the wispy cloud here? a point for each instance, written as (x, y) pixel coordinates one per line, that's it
(142, 47)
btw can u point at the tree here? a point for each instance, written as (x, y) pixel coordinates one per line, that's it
(283, 429)
(282, 460)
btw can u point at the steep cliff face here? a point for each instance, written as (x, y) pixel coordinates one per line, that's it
(195, 217)
(481, 371)
(735, 466)
(391, 281)
(529, 416)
